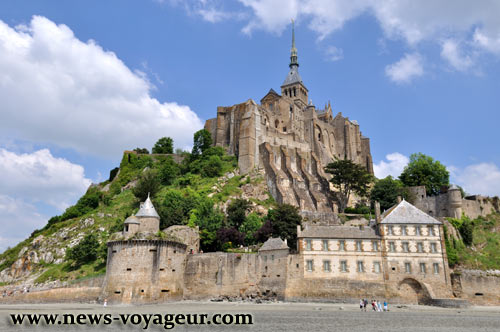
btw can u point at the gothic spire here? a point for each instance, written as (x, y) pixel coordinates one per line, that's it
(293, 51)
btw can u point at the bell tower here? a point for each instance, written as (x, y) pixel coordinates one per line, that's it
(293, 87)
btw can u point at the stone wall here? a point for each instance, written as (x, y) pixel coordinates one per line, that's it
(144, 271)
(478, 287)
(448, 205)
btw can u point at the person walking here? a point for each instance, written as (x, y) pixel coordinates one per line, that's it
(361, 304)
(365, 304)
(105, 304)
(385, 306)
(379, 306)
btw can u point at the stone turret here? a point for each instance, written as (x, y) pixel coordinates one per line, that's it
(146, 220)
(455, 201)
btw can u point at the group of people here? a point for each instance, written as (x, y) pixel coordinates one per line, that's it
(376, 305)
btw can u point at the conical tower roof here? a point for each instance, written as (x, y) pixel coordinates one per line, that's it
(147, 209)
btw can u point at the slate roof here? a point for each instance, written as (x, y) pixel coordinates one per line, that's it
(405, 213)
(293, 76)
(274, 243)
(131, 220)
(339, 232)
(147, 210)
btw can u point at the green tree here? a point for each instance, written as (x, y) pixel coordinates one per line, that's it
(423, 170)
(169, 170)
(209, 219)
(348, 177)
(250, 226)
(284, 220)
(84, 252)
(164, 145)
(141, 150)
(202, 141)
(386, 192)
(237, 211)
(148, 183)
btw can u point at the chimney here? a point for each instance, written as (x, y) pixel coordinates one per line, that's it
(377, 212)
(399, 199)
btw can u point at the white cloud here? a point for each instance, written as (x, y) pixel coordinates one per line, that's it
(474, 23)
(57, 89)
(334, 53)
(451, 53)
(18, 220)
(482, 178)
(395, 164)
(40, 177)
(406, 69)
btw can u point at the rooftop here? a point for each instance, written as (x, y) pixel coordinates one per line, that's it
(274, 243)
(339, 232)
(147, 210)
(405, 213)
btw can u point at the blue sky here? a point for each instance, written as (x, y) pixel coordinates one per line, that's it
(82, 81)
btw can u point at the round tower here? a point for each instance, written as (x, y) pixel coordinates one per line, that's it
(148, 217)
(454, 202)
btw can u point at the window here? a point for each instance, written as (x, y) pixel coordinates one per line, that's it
(392, 247)
(422, 268)
(361, 267)
(436, 268)
(375, 245)
(433, 247)
(430, 230)
(420, 247)
(343, 266)
(358, 246)
(126, 228)
(309, 265)
(308, 244)
(325, 245)
(389, 230)
(342, 245)
(418, 230)
(272, 257)
(326, 266)
(376, 267)
(271, 106)
(408, 267)
(406, 247)
(404, 230)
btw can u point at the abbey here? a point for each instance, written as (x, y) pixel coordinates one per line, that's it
(291, 140)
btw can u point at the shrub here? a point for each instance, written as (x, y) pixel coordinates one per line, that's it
(148, 184)
(236, 212)
(169, 170)
(84, 252)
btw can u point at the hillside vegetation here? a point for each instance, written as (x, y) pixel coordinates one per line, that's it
(478, 246)
(186, 188)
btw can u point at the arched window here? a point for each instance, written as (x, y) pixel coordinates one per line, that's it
(294, 92)
(291, 112)
(276, 124)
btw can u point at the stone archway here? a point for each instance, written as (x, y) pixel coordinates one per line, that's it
(414, 291)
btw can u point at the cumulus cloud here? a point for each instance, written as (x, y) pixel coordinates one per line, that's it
(471, 23)
(451, 53)
(406, 69)
(334, 53)
(19, 219)
(482, 178)
(394, 165)
(57, 89)
(41, 177)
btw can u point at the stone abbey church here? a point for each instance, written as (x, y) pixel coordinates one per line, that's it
(291, 140)
(400, 255)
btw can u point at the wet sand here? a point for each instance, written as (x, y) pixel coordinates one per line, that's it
(271, 317)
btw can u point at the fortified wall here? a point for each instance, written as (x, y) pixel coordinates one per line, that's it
(451, 204)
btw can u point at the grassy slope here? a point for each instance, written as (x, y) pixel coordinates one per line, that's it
(110, 217)
(484, 253)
